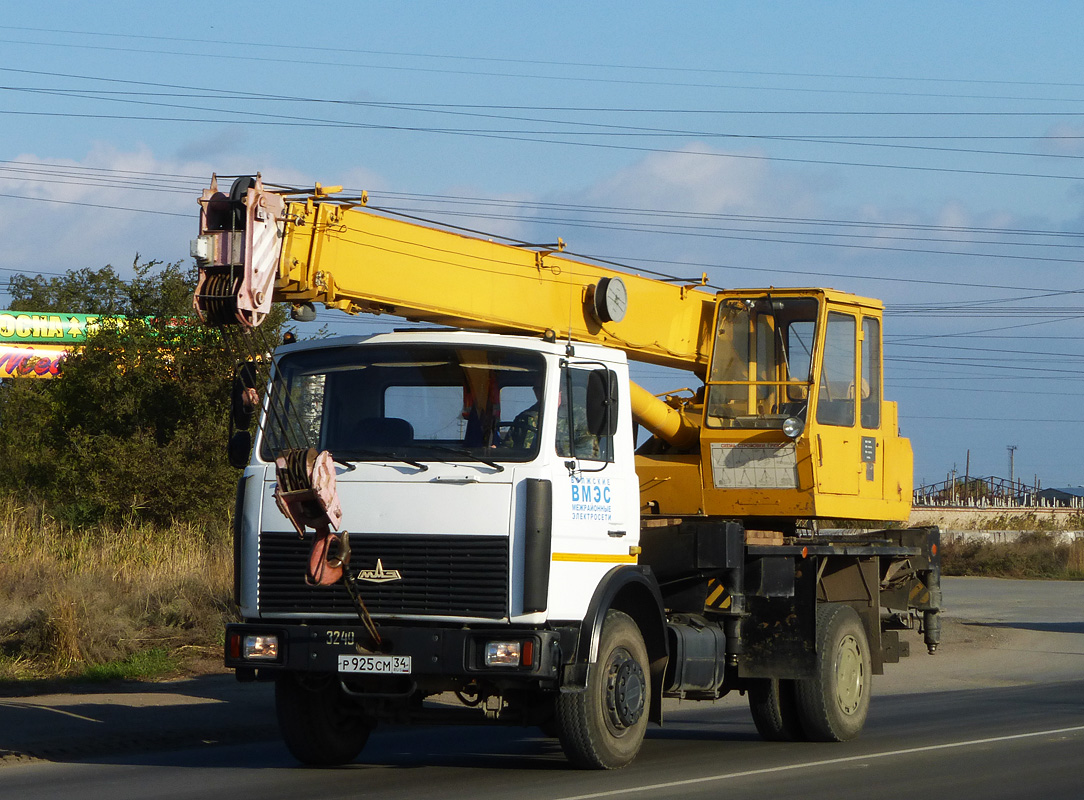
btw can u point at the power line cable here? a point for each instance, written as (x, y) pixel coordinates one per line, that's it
(578, 77)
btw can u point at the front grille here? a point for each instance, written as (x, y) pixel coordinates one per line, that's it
(462, 576)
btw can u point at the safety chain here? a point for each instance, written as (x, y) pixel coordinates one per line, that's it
(359, 604)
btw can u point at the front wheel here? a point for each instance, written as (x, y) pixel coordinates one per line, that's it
(320, 725)
(833, 704)
(603, 726)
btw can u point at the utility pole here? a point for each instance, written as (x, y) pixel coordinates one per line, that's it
(1012, 469)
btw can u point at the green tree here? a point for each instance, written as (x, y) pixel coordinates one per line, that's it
(135, 426)
(157, 290)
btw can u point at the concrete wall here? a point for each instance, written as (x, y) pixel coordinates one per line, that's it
(998, 537)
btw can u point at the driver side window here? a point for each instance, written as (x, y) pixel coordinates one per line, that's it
(574, 437)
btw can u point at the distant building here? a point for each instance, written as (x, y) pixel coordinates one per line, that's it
(1070, 496)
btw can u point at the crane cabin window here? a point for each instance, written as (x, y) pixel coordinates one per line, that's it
(406, 402)
(761, 361)
(836, 397)
(870, 402)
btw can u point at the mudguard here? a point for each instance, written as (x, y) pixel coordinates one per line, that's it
(633, 590)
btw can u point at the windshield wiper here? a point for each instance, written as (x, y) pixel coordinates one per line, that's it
(462, 451)
(381, 454)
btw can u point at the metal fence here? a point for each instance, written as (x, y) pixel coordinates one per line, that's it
(992, 492)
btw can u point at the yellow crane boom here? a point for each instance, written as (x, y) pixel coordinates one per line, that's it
(339, 253)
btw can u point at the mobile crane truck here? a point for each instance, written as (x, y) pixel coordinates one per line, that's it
(455, 523)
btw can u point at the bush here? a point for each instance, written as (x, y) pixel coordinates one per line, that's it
(135, 427)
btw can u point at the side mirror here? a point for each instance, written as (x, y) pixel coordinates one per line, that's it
(602, 406)
(239, 448)
(244, 399)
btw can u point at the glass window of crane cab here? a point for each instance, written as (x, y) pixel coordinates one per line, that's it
(761, 361)
(421, 402)
(836, 394)
(870, 404)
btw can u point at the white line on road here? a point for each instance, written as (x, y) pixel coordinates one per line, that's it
(824, 763)
(36, 707)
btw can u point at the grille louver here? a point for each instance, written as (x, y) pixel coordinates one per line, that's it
(462, 576)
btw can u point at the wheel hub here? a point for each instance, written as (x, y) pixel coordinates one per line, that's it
(850, 677)
(625, 691)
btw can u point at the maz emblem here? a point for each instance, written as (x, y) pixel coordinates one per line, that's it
(379, 575)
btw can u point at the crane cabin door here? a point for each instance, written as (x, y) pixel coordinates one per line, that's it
(848, 437)
(837, 438)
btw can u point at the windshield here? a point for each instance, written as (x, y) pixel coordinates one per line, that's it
(761, 362)
(406, 402)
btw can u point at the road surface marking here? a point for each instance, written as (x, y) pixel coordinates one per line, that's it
(824, 763)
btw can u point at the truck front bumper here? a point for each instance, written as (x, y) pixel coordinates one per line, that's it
(459, 653)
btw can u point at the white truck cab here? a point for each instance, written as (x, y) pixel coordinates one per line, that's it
(436, 437)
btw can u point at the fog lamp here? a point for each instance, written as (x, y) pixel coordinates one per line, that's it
(503, 654)
(261, 647)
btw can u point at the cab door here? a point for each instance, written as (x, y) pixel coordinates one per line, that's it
(596, 493)
(836, 437)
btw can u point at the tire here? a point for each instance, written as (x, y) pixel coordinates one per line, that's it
(603, 726)
(319, 724)
(774, 704)
(832, 705)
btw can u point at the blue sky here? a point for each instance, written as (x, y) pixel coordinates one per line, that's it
(928, 154)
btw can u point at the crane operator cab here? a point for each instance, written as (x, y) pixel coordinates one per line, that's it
(794, 423)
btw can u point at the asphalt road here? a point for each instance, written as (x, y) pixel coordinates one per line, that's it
(998, 713)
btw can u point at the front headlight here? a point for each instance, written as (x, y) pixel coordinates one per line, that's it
(793, 427)
(262, 647)
(509, 654)
(503, 654)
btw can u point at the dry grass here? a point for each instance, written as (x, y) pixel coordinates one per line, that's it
(72, 601)
(1034, 555)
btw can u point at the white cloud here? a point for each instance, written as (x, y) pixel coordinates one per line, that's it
(1063, 139)
(701, 179)
(227, 140)
(62, 214)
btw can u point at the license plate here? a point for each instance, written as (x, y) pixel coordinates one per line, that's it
(380, 665)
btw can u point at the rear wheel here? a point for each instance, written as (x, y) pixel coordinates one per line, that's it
(774, 704)
(832, 705)
(320, 725)
(603, 726)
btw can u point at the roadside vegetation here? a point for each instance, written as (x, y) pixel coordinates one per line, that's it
(1035, 554)
(137, 600)
(115, 552)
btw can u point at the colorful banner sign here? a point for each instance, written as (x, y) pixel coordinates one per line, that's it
(47, 328)
(32, 344)
(30, 361)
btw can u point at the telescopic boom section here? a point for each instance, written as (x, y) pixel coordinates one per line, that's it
(257, 246)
